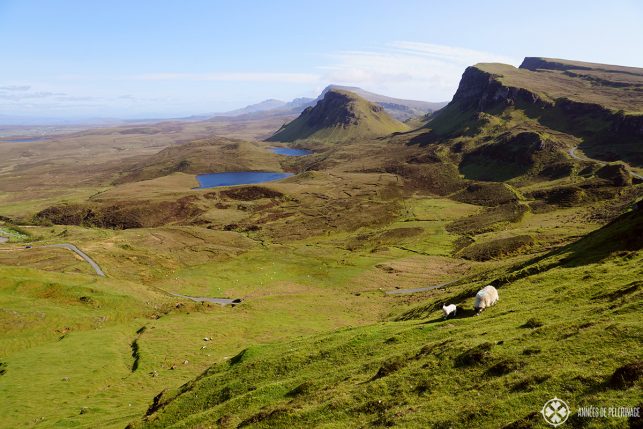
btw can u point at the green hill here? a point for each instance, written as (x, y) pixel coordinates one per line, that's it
(417, 370)
(340, 115)
(398, 108)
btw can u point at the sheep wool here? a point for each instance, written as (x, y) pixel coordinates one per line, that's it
(449, 309)
(486, 297)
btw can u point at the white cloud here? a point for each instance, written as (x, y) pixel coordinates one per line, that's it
(407, 69)
(15, 88)
(18, 95)
(231, 77)
(451, 54)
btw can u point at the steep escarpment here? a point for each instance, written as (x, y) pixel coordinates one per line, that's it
(482, 89)
(594, 106)
(487, 86)
(340, 115)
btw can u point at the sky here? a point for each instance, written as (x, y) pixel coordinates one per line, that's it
(161, 59)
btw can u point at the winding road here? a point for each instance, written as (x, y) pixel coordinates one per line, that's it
(80, 253)
(99, 271)
(572, 153)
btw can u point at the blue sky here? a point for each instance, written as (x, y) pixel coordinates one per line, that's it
(175, 58)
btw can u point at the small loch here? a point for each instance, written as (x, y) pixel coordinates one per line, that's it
(290, 152)
(214, 180)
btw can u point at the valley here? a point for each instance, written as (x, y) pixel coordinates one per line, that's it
(314, 298)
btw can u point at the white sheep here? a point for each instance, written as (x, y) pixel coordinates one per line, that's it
(449, 309)
(486, 297)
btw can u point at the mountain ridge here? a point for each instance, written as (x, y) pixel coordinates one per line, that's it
(339, 115)
(597, 108)
(400, 109)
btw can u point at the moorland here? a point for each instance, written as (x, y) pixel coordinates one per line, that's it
(528, 180)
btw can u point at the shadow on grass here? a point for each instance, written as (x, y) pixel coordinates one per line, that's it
(624, 234)
(462, 313)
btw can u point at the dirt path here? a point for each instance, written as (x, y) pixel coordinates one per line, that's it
(220, 301)
(80, 253)
(572, 153)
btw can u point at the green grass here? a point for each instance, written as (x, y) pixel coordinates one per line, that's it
(413, 373)
(297, 294)
(14, 233)
(325, 343)
(422, 371)
(68, 333)
(84, 326)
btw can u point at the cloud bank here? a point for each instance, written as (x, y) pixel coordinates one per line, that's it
(408, 69)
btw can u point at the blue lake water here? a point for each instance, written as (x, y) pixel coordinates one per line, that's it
(214, 180)
(22, 140)
(291, 152)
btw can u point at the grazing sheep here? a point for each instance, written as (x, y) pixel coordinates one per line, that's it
(449, 309)
(486, 297)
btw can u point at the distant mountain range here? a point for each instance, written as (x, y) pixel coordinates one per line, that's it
(398, 108)
(272, 105)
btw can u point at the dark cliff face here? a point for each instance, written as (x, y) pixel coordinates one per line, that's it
(578, 103)
(475, 87)
(482, 91)
(624, 124)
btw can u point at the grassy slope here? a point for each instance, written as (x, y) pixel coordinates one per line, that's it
(72, 332)
(417, 373)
